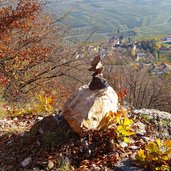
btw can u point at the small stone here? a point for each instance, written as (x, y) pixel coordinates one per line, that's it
(126, 165)
(147, 139)
(123, 144)
(41, 131)
(38, 143)
(50, 164)
(98, 83)
(134, 147)
(40, 118)
(131, 140)
(26, 162)
(10, 142)
(15, 119)
(95, 167)
(140, 128)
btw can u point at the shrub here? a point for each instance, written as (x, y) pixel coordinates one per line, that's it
(156, 155)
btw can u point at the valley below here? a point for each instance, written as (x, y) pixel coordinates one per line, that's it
(133, 18)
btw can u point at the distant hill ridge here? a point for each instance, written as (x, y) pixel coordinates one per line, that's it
(145, 17)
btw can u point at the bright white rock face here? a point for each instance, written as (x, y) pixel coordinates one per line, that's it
(86, 108)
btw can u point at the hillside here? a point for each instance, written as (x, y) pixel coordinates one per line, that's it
(88, 106)
(47, 143)
(145, 17)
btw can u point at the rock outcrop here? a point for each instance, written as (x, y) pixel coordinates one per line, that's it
(161, 121)
(86, 108)
(153, 113)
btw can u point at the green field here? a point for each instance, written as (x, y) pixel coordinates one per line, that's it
(145, 17)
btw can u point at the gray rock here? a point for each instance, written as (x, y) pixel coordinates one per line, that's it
(125, 165)
(26, 162)
(153, 113)
(123, 144)
(140, 128)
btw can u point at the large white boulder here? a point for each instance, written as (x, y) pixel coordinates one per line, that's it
(86, 108)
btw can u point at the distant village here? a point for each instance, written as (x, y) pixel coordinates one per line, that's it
(144, 58)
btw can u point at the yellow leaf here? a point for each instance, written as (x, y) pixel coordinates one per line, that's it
(165, 157)
(126, 140)
(128, 121)
(158, 142)
(48, 100)
(120, 128)
(167, 143)
(168, 152)
(152, 147)
(140, 155)
(129, 133)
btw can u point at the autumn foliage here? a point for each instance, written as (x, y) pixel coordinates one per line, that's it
(29, 42)
(156, 155)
